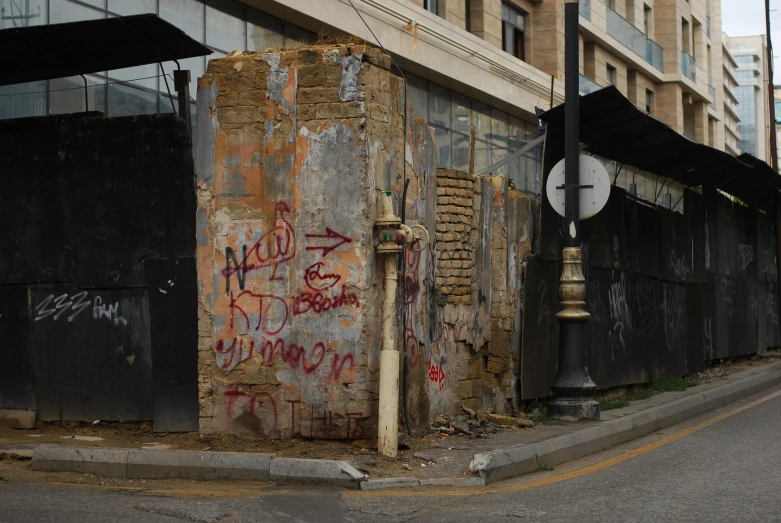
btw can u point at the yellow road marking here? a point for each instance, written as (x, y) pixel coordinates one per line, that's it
(471, 491)
(459, 491)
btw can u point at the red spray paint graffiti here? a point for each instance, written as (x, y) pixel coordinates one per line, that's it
(319, 302)
(255, 402)
(436, 373)
(276, 246)
(316, 280)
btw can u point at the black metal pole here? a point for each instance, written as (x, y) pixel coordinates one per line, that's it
(573, 380)
(571, 126)
(182, 86)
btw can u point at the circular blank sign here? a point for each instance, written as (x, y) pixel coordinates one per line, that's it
(592, 199)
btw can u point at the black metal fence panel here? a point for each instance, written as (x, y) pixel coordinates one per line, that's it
(667, 291)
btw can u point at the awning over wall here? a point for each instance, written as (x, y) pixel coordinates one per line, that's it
(46, 52)
(614, 128)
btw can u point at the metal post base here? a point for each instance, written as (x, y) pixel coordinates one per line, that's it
(574, 408)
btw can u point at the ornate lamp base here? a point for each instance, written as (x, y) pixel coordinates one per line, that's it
(574, 408)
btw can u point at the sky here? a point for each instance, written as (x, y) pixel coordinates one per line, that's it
(747, 17)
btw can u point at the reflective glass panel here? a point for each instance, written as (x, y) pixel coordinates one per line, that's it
(226, 25)
(264, 31)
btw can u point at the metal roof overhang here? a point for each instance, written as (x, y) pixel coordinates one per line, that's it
(612, 127)
(46, 52)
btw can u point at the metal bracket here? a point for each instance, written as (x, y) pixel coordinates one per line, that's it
(574, 186)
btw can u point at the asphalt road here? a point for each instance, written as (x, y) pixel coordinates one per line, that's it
(729, 471)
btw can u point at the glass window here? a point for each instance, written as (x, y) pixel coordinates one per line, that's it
(517, 133)
(498, 154)
(67, 94)
(461, 112)
(62, 11)
(649, 101)
(187, 15)
(442, 139)
(226, 25)
(143, 75)
(481, 120)
(514, 17)
(500, 129)
(134, 7)
(295, 35)
(430, 6)
(439, 105)
(417, 94)
(126, 100)
(513, 32)
(611, 75)
(264, 31)
(23, 100)
(482, 155)
(22, 14)
(460, 151)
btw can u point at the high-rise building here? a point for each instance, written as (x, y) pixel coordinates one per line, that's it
(470, 64)
(777, 107)
(731, 115)
(755, 124)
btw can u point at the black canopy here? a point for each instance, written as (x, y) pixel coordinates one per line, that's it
(45, 52)
(612, 127)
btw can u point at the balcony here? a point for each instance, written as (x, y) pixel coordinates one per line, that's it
(586, 85)
(689, 66)
(712, 93)
(623, 31)
(584, 8)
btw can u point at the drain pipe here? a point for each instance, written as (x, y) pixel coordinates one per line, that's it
(391, 235)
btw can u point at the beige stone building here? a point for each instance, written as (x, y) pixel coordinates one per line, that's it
(470, 64)
(486, 64)
(731, 115)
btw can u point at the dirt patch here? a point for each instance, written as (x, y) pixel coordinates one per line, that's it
(724, 369)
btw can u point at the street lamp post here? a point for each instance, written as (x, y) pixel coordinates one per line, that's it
(573, 380)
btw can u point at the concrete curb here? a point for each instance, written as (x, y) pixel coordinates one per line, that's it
(189, 464)
(503, 464)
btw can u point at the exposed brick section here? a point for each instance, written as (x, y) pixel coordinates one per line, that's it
(455, 222)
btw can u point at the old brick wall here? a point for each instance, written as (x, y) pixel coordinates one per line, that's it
(466, 345)
(292, 147)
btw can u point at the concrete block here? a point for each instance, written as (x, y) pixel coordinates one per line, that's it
(17, 419)
(621, 430)
(596, 439)
(559, 450)
(315, 472)
(191, 464)
(502, 464)
(681, 409)
(376, 484)
(645, 422)
(100, 461)
(454, 482)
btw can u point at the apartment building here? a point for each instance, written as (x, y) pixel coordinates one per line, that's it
(755, 124)
(730, 86)
(470, 64)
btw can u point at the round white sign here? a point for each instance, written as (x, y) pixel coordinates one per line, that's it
(593, 198)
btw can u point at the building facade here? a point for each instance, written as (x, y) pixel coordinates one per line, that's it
(730, 86)
(485, 65)
(755, 126)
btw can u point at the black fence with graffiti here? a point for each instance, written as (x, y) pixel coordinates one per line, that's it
(667, 291)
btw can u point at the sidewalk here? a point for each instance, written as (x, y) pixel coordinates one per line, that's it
(132, 450)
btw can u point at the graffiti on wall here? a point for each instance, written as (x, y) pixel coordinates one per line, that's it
(257, 321)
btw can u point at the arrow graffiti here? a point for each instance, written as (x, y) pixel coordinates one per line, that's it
(330, 234)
